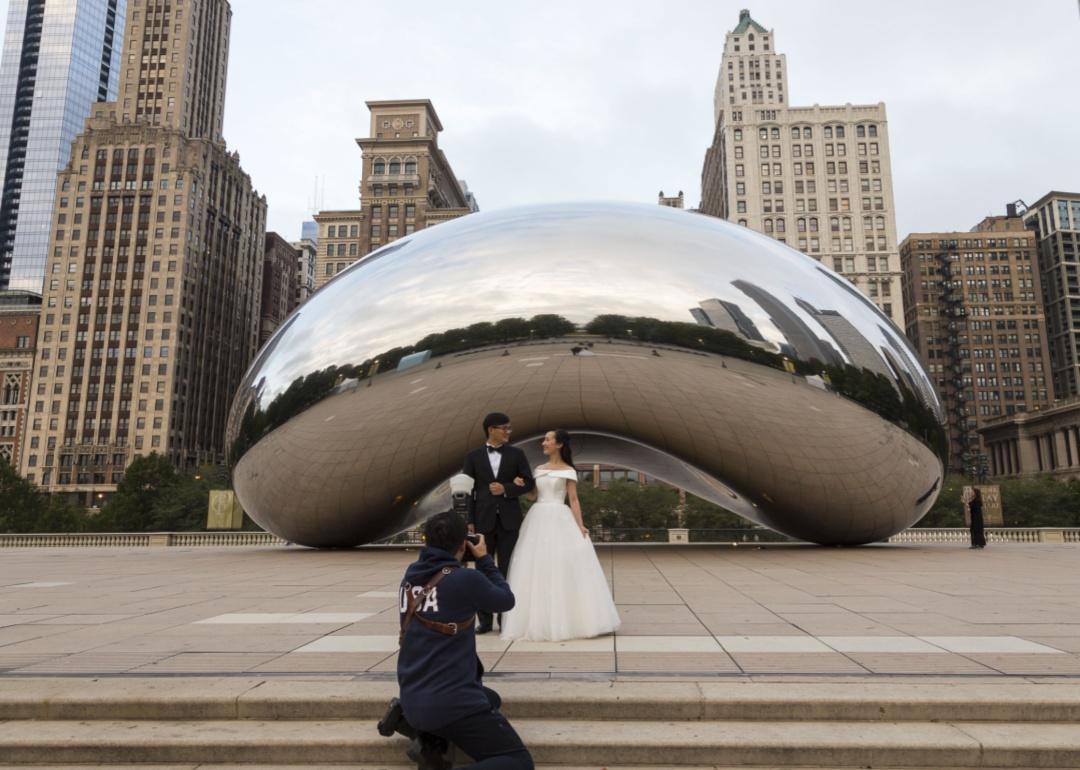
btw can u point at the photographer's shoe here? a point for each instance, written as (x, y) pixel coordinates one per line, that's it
(429, 752)
(394, 721)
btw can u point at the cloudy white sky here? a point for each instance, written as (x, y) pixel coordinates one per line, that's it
(576, 99)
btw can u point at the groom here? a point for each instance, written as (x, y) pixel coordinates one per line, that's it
(494, 510)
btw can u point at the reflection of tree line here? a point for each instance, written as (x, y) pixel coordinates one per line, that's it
(870, 389)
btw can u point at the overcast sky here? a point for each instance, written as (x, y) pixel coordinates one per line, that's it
(574, 100)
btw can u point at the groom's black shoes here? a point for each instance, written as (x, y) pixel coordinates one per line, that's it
(484, 628)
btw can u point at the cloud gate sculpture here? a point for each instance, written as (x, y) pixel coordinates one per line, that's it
(679, 345)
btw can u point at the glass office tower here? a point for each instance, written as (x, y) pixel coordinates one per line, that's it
(60, 57)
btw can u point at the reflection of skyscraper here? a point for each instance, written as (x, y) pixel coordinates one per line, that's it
(860, 351)
(802, 342)
(726, 316)
(906, 365)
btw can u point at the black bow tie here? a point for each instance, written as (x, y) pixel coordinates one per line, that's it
(498, 449)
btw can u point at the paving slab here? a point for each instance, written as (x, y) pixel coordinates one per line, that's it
(940, 610)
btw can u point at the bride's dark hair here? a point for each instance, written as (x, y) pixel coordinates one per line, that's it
(565, 452)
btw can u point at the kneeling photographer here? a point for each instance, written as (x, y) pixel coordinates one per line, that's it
(439, 672)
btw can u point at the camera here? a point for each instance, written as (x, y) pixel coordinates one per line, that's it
(473, 538)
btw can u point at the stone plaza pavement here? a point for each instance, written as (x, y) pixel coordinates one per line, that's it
(688, 611)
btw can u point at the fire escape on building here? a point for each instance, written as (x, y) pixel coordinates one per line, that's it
(965, 454)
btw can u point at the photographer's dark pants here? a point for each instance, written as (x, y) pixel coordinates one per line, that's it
(490, 740)
(500, 544)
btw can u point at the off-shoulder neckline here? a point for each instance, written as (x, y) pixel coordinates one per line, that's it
(569, 471)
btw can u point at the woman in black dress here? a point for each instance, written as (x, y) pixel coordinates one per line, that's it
(978, 534)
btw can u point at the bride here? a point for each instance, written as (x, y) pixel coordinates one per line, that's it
(555, 575)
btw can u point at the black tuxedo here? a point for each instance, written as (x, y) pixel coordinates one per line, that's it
(497, 517)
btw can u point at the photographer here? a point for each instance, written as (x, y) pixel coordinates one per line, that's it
(439, 672)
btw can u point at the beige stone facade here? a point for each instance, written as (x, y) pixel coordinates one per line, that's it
(671, 201)
(19, 315)
(1055, 220)
(406, 184)
(816, 178)
(340, 243)
(1046, 441)
(973, 312)
(151, 302)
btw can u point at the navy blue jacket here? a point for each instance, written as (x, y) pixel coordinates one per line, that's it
(439, 675)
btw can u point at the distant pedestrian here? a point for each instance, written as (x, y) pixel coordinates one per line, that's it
(975, 508)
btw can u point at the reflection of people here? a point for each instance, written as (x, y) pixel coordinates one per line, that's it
(975, 507)
(560, 588)
(439, 672)
(494, 509)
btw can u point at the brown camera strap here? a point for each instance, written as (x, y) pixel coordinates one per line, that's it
(414, 603)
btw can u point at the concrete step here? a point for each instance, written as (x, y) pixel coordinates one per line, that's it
(557, 742)
(224, 698)
(336, 766)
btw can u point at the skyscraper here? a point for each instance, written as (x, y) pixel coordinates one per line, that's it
(280, 266)
(406, 184)
(817, 178)
(60, 57)
(1055, 221)
(151, 303)
(975, 316)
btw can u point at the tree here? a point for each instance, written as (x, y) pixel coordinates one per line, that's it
(25, 509)
(148, 483)
(629, 505)
(702, 514)
(948, 510)
(21, 504)
(154, 496)
(548, 325)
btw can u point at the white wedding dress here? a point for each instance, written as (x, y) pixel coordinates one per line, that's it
(558, 583)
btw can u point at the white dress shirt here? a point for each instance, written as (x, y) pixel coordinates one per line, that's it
(495, 458)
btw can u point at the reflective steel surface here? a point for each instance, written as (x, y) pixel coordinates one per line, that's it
(676, 344)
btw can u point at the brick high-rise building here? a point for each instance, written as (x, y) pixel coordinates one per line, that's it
(406, 184)
(973, 311)
(278, 284)
(60, 57)
(19, 315)
(151, 303)
(816, 178)
(1055, 221)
